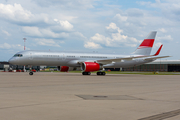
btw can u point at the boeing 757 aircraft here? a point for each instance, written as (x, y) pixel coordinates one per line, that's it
(88, 62)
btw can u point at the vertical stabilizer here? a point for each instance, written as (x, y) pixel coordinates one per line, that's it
(147, 44)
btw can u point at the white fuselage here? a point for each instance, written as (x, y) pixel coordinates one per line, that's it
(48, 58)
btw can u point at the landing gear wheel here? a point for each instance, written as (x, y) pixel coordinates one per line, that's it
(30, 73)
(86, 73)
(101, 73)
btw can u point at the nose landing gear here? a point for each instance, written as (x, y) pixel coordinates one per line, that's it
(30, 73)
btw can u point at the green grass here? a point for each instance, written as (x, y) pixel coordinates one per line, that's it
(134, 72)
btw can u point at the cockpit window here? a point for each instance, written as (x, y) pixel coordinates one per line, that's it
(18, 55)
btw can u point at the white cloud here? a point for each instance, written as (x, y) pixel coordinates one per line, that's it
(166, 38)
(98, 38)
(169, 8)
(14, 12)
(32, 31)
(76, 4)
(64, 17)
(47, 42)
(162, 30)
(5, 46)
(11, 46)
(92, 45)
(64, 25)
(135, 12)
(120, 17)
(6, 33)
(17, 14)
(77, 36)
(116, 40)
(113, 28)
(37, 32)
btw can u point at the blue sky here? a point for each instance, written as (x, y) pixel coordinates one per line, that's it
(104, 26)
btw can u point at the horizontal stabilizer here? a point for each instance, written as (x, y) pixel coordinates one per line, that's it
(154, 58)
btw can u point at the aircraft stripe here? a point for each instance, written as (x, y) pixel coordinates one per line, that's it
(147, 43)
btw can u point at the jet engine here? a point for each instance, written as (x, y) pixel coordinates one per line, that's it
(63, 68)
(91, 66)
(66, 68)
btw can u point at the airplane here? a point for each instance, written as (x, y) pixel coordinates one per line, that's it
(88, 62)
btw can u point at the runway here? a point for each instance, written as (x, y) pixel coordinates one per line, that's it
(71, 96)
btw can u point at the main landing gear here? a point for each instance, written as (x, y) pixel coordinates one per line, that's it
(101, 73)
(86, 73)
(98, 73)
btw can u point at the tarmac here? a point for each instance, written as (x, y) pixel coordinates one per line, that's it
(71, 96)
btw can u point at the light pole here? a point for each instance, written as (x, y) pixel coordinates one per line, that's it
(24, 43)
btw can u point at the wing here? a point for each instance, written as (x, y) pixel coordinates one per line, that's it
(154, 58)
(108, 61)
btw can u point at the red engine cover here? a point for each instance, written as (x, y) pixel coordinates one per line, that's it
(64, 68)
(90, 66)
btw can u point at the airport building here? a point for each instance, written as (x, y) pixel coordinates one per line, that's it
(5, 66)
(158, 65)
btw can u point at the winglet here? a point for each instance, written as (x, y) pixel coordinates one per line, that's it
(157, 53)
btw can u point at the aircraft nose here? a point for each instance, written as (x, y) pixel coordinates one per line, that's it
(13, 61)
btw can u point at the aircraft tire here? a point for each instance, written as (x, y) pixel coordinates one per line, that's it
(30, 73)
(97, 73)
(101, 73)
(86, 73)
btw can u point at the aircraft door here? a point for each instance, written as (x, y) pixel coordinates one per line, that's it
(63, 57)
(31, 56)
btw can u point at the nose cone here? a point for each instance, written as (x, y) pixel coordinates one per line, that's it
(13, 61)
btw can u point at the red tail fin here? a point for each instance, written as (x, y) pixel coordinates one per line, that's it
(157, 53)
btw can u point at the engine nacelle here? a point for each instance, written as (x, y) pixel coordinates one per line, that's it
(63, 68)
(91, 66)
(66, 68)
